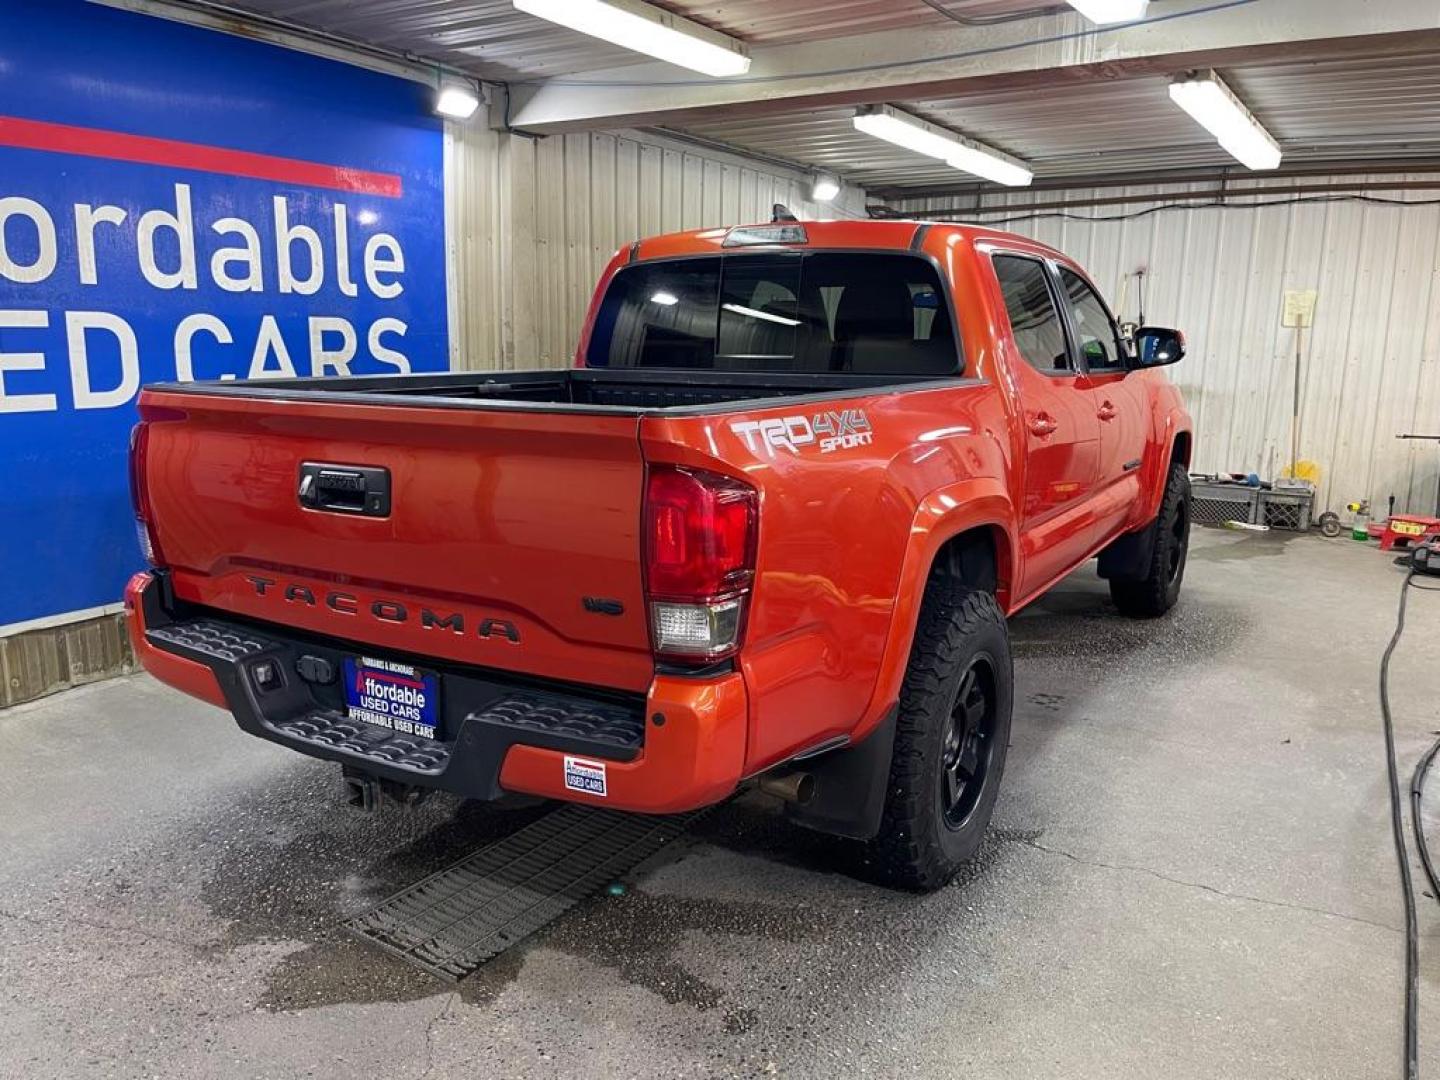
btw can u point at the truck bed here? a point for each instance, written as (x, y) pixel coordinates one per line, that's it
(587, 390)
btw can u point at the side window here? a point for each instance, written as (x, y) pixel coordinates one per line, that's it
(1034, 322)
(1098, 342)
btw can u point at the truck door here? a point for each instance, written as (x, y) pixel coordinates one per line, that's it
(1058, 419)
(1117, 399)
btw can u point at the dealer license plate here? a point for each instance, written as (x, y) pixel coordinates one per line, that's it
(398, 697)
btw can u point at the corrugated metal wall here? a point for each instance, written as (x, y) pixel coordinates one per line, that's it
(1371, 365)
(533, 222)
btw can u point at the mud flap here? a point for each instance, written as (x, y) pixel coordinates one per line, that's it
(849, 786)
(1127, 558)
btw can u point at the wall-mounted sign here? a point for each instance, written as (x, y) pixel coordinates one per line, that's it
(1299, 307)
(177, 203)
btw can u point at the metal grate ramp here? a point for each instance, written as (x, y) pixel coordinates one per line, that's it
(453, 921)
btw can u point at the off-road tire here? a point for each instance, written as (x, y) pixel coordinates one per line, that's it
(960, 630)
(1155, 593)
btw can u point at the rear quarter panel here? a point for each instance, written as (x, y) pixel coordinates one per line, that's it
(839, 533)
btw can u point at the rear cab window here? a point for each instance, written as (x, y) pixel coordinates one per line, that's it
(787, 311)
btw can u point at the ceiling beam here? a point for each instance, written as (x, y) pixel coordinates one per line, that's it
(1219, 194)
(901, 65)
(1165, 177)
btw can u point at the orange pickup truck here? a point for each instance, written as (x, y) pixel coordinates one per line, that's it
(768, 527)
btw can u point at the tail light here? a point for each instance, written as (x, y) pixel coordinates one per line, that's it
(699, 561)
(140, 494)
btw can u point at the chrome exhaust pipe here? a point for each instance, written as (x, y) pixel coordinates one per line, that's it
(794, 787)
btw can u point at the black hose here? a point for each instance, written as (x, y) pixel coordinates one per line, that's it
(1402, 856)
(1417, 793)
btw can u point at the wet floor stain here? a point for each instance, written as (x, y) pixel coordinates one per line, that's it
(297, 862)
(639, 936)
(343, 970)
(635, 935)
(1074, 628)
(1267, 545)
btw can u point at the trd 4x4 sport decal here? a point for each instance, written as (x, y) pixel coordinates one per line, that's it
(829, 430)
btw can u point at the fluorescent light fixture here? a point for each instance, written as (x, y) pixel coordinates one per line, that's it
(456, 102)
(1215, 107)
(923, 137)
(754, 313)
(1111, 11)
(825, 188)
(664, 299)
(906, 131)
(990, 164)
(647, 29)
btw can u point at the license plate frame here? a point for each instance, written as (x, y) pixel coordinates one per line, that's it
(392, 696)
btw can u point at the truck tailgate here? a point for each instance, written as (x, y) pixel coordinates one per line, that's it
(512, 538)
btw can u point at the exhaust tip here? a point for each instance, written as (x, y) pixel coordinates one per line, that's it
(793, 787)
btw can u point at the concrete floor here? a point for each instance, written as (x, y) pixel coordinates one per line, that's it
(1189, 875)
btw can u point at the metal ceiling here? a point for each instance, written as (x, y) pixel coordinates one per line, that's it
(1345, 111)
(491, 40)
(1351, 110)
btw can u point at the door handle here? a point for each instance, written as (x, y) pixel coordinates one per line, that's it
(1107, 411)
(1043, 424)
(344, 489)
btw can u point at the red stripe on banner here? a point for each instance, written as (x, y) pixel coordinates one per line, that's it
(98, 143)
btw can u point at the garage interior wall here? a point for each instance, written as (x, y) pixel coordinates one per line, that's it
(1371, 362)
(535, 220)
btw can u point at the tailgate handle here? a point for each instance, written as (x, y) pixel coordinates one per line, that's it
(345, 489)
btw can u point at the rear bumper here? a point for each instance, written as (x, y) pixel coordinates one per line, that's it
(679, 748)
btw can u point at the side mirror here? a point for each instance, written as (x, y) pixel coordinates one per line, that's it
(1156, 346)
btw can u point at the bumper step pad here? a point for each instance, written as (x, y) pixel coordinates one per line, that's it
(605, 727)
(211, 640)
(452, 922)
(511, 716)
(366, 740)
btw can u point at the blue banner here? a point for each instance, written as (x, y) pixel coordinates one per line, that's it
(177, 203)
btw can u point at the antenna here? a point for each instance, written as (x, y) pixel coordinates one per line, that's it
(781, 212)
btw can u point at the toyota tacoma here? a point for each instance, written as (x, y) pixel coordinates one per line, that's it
(768, 527)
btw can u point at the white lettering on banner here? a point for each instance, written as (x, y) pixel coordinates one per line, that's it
(237, 268)
(15, 403)
(286, 235)
(383, 352)
(185, 334)
(77, 327)
(86, 218)
(393, 263)
(266, 342)
(103, 351)
(45, 256)
(182, 224)
(343, 281)
(323, 360)
(254, 279)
